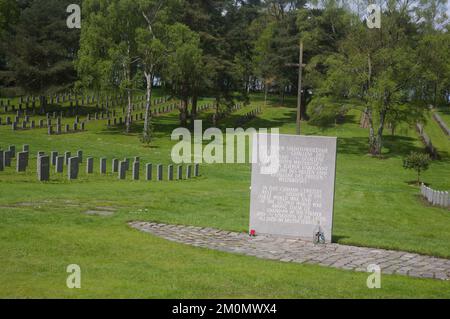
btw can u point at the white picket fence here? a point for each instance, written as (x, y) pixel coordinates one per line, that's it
(435, 198)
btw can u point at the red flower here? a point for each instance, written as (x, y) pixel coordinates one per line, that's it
(253, 233)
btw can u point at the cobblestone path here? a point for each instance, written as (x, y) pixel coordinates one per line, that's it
(298, 251)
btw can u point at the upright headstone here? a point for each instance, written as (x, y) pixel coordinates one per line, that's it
(180, 172)
(26, 148)
(89, 165)
(59, 164)
(12, 149)
(102, 165)
(122, 170)
(22, 161)
(136, 170)
(53, 156)
(148, 172)
(80, 156)
(170, 172)
(72, 168)
(159, 172)
(43, 168)
(115, 165)
(295, 195)
(188, 171)
(2, 167)
(197, 170)
(7, 158)
(67, 155)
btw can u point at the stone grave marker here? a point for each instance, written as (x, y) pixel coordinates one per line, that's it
(102, 165)
(135, 170)
(22, 161)
(7, 158)
(43, 168)
(72, 168)
(115, 165)
(180, 172)
(67, 155)
(148, 172)
(80, 156)
(189, 171)
(197, 170)
(53, 156)
(59, 164)
(122, 170)
(159, 172)
(298, 199)
(89, 165)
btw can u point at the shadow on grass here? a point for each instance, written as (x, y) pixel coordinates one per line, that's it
(336, 239)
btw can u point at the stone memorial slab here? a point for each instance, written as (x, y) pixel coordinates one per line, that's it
(170, 172)
(197, 170)
(135, 170)
(72, 168)
(53, 156)
(59, 164)
(148, 172)
(159, 170)
(12, 150)
(2, 167)
(67, 155)
(102, 165)
(189, 171)
(90, 165)
(122, 170)
(115, 165)
(7, 158)
(22, 161)
(298, 199)
(179, 172)
(43, 168)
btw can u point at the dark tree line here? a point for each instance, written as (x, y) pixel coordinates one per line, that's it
(226, 49)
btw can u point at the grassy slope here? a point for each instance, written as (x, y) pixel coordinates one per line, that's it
(374, 207)
(438, 138)
(444, 112)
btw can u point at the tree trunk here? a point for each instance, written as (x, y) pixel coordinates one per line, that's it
(148, 106)
(194, 110)
(183, 111)
(129, 110)
(215, 118)
(378, 145)
(43, 103)
(266, 92)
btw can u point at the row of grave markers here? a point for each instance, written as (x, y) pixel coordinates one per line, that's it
(44, 163)
(30, 102)
(427, 141)
(435, 198)
(27, 123)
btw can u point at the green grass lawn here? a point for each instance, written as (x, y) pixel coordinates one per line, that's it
(444, 112)
(43, 226)
(438, 137)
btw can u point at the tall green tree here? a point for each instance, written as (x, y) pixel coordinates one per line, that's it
(108, 56)
(40, 48)
(379, 68)
(185, 67)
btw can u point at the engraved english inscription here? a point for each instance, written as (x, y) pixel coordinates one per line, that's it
(298, 199)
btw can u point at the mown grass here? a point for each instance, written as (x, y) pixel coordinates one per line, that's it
(43, 226)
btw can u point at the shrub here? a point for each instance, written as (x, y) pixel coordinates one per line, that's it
(417, 161)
